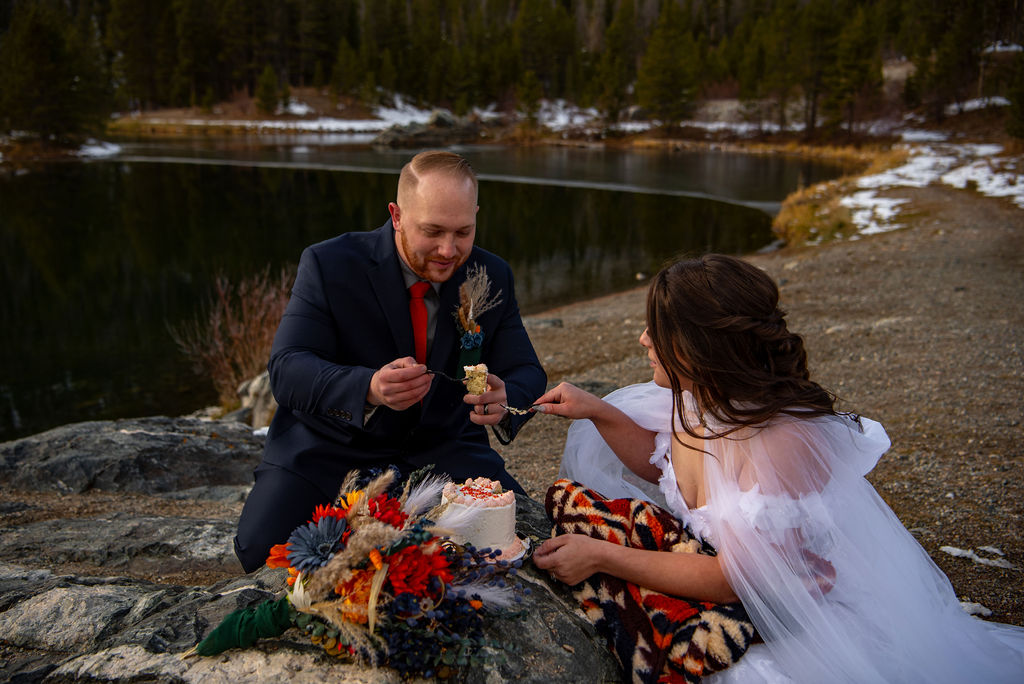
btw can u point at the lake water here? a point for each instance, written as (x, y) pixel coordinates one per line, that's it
(100, 258)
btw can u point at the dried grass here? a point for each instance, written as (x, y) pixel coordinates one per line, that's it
(230, 341)
(814, 214)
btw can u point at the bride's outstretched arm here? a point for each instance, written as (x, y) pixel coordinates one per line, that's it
(630, 442)
(572, 558)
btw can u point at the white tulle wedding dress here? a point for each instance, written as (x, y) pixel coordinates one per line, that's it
(837, 587)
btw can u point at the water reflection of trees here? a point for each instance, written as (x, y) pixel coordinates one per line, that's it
(98, 259)
(570, 243)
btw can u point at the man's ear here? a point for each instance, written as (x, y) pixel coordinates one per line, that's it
(396, 215)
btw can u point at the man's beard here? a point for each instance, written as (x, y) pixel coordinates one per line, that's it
(419, 265)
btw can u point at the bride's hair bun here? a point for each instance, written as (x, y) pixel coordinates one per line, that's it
(716, 321)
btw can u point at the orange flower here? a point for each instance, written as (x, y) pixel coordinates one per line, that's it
(351, 499)
(278, 557)
(294, 574)
(356, 592)
(411, 569)
(321, 511)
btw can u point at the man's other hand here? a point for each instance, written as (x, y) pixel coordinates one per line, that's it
(399, 384)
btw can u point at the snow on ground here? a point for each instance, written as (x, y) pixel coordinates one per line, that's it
(958, 165)
(932, 158)
(401, 113)
(96, 149)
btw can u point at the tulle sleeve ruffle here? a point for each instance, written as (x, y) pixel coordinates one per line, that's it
(834, 583)
(589, 460)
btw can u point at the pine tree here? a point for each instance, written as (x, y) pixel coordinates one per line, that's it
(1015, 122)
(345, 73)
(782, 69)
(529, 93)
(815, 55)
(616, 69)
(141, 33)
(857, 77)
(666, 79)
(51, 80)
(266, 91)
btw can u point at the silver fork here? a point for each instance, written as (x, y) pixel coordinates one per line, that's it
(445, 376)
(519, 411)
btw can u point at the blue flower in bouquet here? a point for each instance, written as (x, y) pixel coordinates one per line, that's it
(313, 544)
(471, 340)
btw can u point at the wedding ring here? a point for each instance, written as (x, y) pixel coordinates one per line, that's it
(485, 408)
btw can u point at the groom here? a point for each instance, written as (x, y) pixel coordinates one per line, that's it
(370, 313)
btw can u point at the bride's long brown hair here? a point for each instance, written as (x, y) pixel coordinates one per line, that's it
(716, 322)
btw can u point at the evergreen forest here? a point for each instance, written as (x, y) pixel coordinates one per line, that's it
(65, 65)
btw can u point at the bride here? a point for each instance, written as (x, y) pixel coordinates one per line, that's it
(743, 448)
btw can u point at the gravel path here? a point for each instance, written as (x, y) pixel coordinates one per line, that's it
(921, 328)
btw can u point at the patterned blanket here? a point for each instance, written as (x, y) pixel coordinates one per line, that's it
(655, 637)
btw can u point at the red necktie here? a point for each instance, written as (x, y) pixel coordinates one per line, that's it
(418, 312)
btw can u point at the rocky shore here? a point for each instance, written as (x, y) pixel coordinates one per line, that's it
(115, 558)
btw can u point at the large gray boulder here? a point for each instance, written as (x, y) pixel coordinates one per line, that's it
(146, 455)
(442, 129)
(101, 622)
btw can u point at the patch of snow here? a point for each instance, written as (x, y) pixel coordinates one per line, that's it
(298, 108)
(490, 113)
(872, 214)
(261, 432)
(923, 167)
(97, 149)
(402, 113)
(987, 180)
(559, 115)
(959, 166)
(971, 555)
(1002, 47)
(972, 608)
(992, 550)
(917, 135)
(634, 126)
(976, 104)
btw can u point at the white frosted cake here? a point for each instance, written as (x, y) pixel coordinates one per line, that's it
(493, 522)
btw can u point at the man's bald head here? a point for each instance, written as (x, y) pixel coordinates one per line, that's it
(432, 161)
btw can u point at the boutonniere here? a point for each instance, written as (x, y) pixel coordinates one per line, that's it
(475, 299)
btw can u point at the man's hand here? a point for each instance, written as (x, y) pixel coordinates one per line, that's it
(399, 384)
(570, 558)
(486, 409)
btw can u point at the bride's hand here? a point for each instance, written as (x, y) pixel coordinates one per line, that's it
(568, 401)
(570, 558)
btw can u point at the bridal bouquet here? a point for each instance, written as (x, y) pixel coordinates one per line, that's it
(373, 578)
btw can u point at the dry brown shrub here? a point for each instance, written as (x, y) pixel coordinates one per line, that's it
(230, 341)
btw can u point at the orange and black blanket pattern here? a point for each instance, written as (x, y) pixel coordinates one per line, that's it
(655, 637)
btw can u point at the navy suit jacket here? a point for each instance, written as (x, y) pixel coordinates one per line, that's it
(348, 316)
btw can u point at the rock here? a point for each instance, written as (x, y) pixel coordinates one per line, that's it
(141, 545)
(145, 455)
(258, 399)
(57, 628)
(535, 323)
(442, 129)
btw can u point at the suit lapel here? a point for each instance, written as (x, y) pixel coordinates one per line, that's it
(389, 288)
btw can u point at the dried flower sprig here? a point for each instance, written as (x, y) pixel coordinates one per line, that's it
(475, 299)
